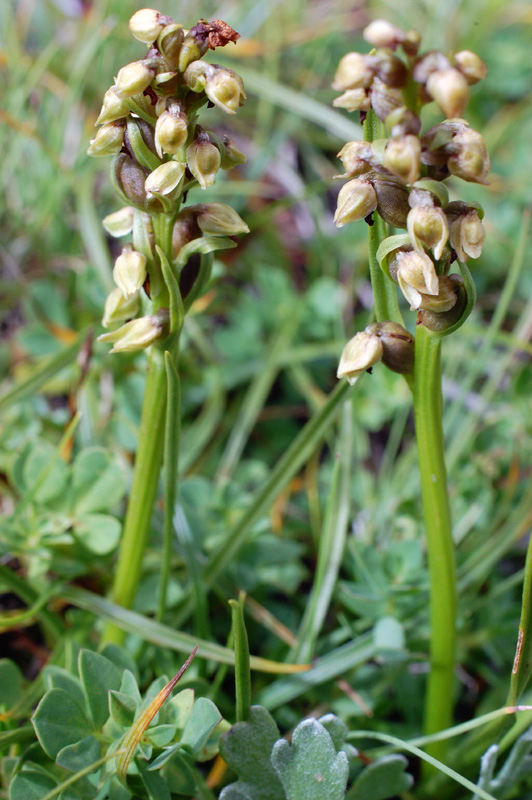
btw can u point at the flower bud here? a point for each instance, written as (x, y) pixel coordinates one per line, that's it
(392, 200)
(402, 122)
(389, 69)
(428, 193)
(232, 156)
(166, 82)
(203, 159)
(470, 160)
(113, 107)
(120, 223)
(130, 178)
(360, 353)
(402, 158)
(194, 46)
(353, 100)
(185, 229)
(441, 321)
(118, 308)
(108, 140)
(225, 89)
(164, 179)
(354, 157)
(384, 99)
(133, 79)
(217, 219)
(195, 75)
(471, 66)
(450, 90)
(382, 341)
(129, 272)
(381, 33)
(171, 132)
(138, 133)
(467, 234)
(397, 346)
(411, 42)
(356, 200)
(428, 226)
(146, 25)
(137, 334)
(170, 41)
(430, 62)
(444, 300)
(415, 274)
(354, 72)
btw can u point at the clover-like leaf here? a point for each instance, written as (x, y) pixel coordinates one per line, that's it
(59, 721)
(99, 533)
(310, 768)
(97, 480)
(31, 783)
(80, 755)
(98, 676)
(60, 678)
(11, 683)
(199, 726)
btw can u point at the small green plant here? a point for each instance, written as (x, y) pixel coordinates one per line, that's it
(149, 123)
(397, 178)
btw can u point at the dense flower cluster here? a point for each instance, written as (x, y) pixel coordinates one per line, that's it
(148, 122)
(401, 177)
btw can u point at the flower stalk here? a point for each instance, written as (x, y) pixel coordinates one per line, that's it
(149, 123)
(396, 177)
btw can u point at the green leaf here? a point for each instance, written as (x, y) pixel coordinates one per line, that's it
(204, 245)
(122, 708)
(383, 779)
(31, 783)
(44, 369)
(11, 683)
(44, 470)
(161, 735)
(130, 687)
(177, 310)
(97, 480)
(336, 728)
(164, 757)
(387, 247)
(80, 755)
(310, 768)
(388, 634)
(59, 721)
(99, 533)
(202, 721)
(522, 667)
(59, 678)
(242, 676)
(179, 708)
(120, 658)
(98, 676)
(156, 786)
(211, 748)
(247, 748)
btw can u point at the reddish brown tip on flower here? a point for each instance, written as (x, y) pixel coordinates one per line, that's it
(218, 33)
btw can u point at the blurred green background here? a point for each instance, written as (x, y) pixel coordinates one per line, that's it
(262, 354)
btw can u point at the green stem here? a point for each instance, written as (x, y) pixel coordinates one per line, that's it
(143, 490)
(148, 460)
(384, 292)
(429, 434)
